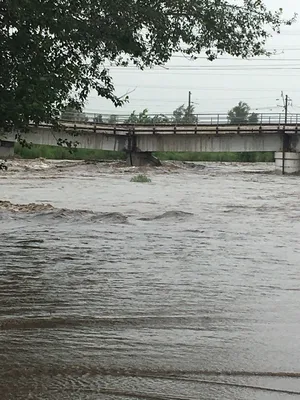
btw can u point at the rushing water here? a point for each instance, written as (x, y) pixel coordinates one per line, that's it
(184, 288)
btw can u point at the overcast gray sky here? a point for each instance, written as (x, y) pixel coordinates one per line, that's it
(218, 86)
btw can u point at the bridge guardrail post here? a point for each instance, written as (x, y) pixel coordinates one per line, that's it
(153, 127)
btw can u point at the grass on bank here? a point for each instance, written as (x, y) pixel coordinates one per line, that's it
(140, 179)
(219, 157)
(60, 153)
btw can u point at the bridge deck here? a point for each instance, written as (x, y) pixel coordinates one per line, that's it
(124, 129)
(181, 138)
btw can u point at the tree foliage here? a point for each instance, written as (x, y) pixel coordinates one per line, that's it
(73, 115)
(112, 119)
(140, 118)
(98, 119)
(160, 119)
(241, 114)
(184, 115)
(53, 52)
(253, 118)
(144, 118)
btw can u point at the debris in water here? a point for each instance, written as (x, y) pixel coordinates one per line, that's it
(3, 166)
(31, 207)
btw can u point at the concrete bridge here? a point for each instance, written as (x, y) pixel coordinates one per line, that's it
(141, 140)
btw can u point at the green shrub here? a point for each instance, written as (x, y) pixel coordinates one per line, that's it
(140, 179)
(61, 153)
(219, 157)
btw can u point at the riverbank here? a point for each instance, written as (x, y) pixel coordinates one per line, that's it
(60, 153)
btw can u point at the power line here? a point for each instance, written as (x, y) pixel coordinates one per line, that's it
(163, 101)
(210, 65)
(211, 69)
(267, 74)
(204, 68)
(220, 58)
(273, 48)
(228, 57)
(236, 59)
(221, 89)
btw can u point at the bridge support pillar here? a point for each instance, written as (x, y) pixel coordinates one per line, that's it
(7, 149)
(139, 159)
(287, 163)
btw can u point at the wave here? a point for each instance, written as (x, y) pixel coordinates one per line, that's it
(168, 215)
(86, 215)
(46, 210)
(189, 375)
(27, 208)
(55, 322)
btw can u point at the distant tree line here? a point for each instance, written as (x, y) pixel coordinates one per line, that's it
(240, 114)
(182, 114)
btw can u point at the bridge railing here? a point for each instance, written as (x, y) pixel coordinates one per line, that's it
(170, 119)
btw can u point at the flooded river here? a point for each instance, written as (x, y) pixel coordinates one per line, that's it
(186, 288)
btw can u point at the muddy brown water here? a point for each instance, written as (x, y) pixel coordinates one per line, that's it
(184, 288)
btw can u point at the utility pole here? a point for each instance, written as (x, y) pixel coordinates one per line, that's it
(190, 100)
(285, 138)
(189, 103)
(286, 105)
